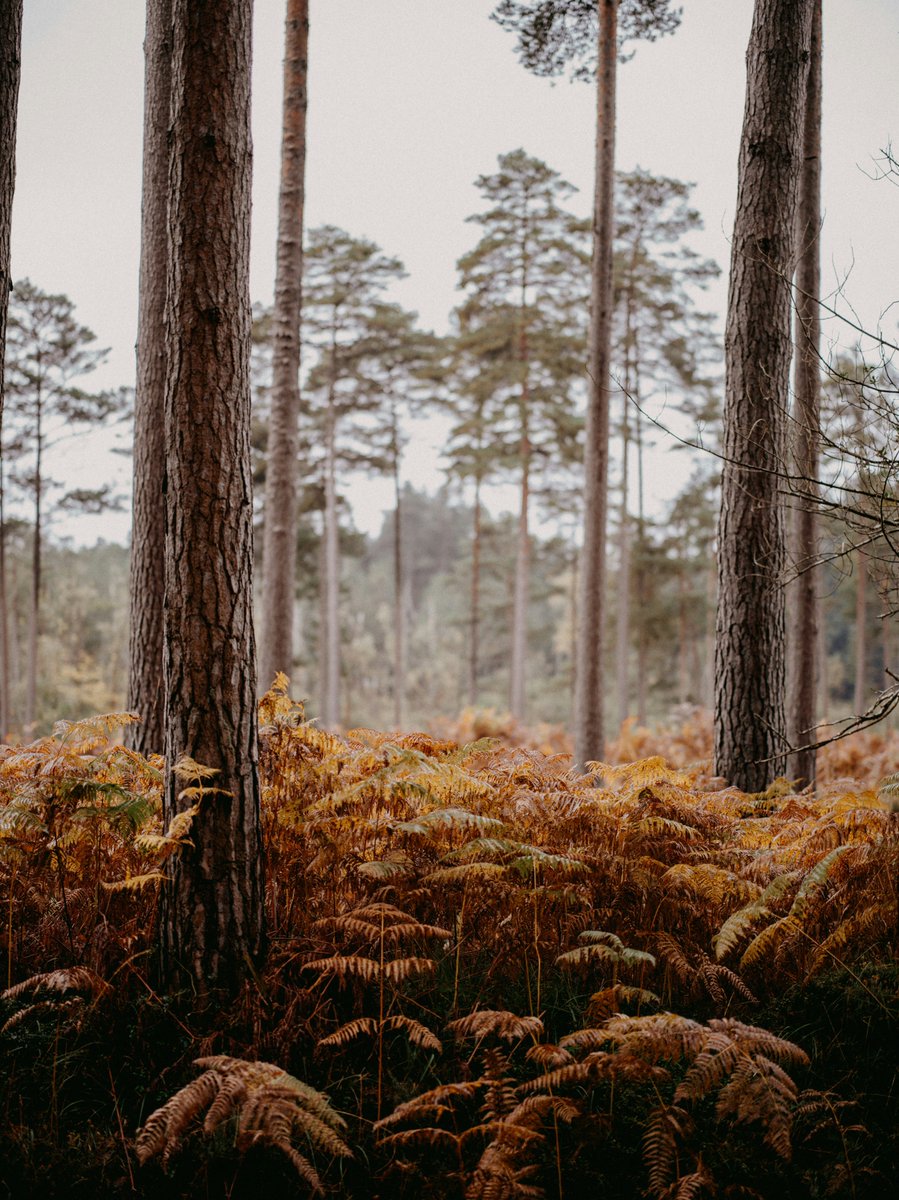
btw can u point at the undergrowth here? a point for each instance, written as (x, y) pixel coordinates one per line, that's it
(488, 976)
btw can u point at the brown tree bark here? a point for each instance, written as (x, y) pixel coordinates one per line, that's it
(212, 918)
(399, 597)
(750, 651)
(331, 575)
(146, 694)
(475, 599)
(34, 602)
(802, 598)
(10, 71)
(280, 530)
(589, 737)
(860, 691)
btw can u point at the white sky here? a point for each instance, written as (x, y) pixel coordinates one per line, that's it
(410, 100)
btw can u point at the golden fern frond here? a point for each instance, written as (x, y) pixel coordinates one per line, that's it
(464, 872)
(271, 1106)
(72, 1008)
(740, 922)
(434, 1103)
(547, 1056)
(398, 969)
(136, 883)
(499, 1024)
(429, 1136)
(665, 1126)
(345, 966)
(418, 1034)
(360, 1027)
(59, 982)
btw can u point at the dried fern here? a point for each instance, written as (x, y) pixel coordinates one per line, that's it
(269, 1106)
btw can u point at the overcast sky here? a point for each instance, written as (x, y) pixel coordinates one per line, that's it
(409, 101)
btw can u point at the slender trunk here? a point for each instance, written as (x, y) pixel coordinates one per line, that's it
(640, 574)
(280, 529)
(146, 694)
(802, 635)
(331, 695)
(475, 599)
(522, 587)
(860, 695)
(5, 712)
(624, 534)
(34, 605)
(588, 722)
(399, 623)
(10, 71)
(322, 643)
(623, 601)
(683, 637)
(212, 921)
(750, 653)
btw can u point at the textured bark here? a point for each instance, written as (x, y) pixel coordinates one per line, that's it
(331, 574)
(589, 678)
(212, 919)
(475, 599)
(522, 587)
(860, 692)
(802, 598)
(5, 673)
(399, 598)
(280, 531)
(10, 65)
(750, 651)
(146, 694)
(34, 599)
(10, 69)
(623, 599)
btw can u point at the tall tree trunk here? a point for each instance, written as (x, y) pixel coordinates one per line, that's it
(34, 605)
(588, 722)
(860, 693)
(10, 71)
(802, 600)
(5, 706)
(146, 694)
(623, 599)
(399, 599)
(640, 574)
(331, 632)
(475, 598)
(750, 653)
(212, 919)
(517, 686)
(280, 530)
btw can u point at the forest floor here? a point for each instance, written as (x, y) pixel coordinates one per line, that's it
(487, 976)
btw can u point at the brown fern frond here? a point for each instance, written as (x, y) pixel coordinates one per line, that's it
(360, 1027)
(398, 969)
(59, 982)
(665, 1126)
(433, 1103)
(270, 1105)
(345, 966)
(418, 1034)
(499, 1024)
(548, 1056)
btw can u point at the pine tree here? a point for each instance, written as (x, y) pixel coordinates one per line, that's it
(280, 526)
(47, 354)
(589, 34)
(212, 917)
(525, 281)
(802, 632)
(750, 652)
(662, 342)
(345, 278)
(146, 693)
